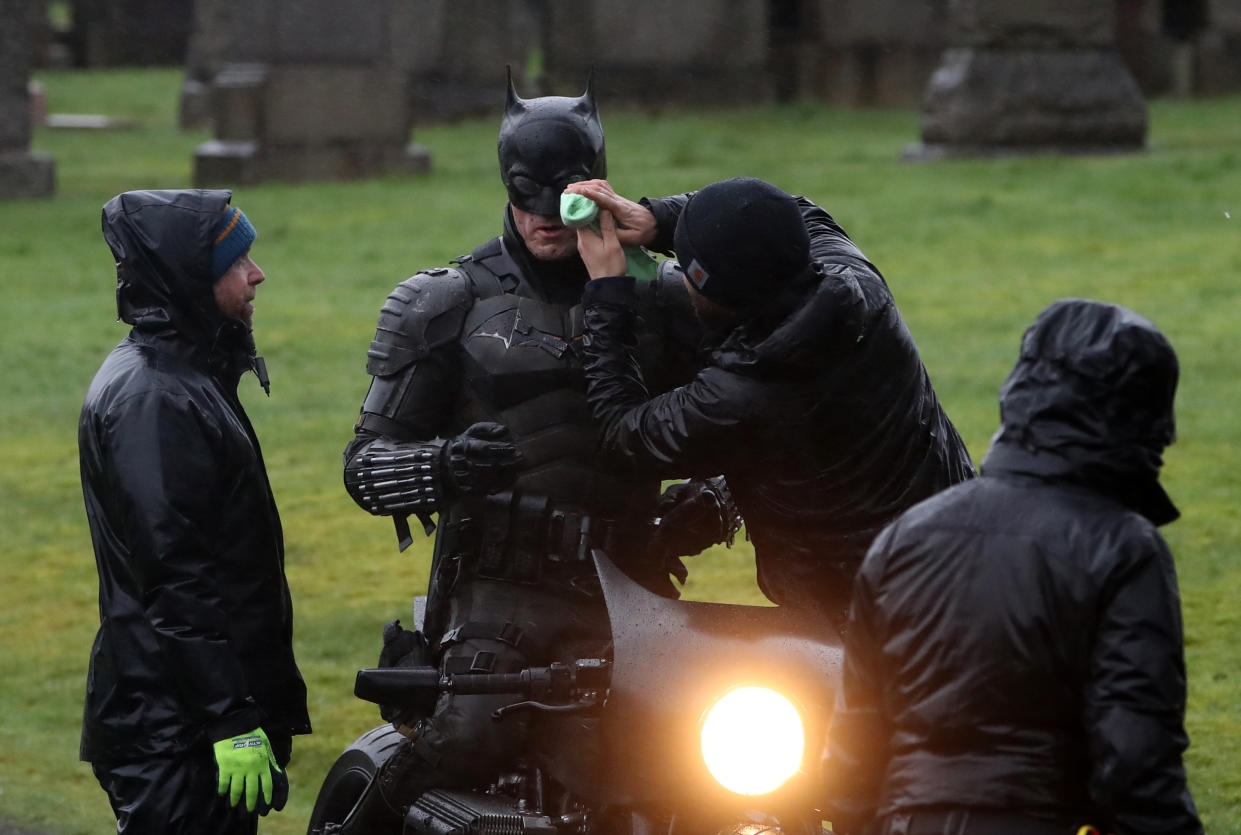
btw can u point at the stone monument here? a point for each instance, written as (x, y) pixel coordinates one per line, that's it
(1040, 75)
(310, 90)
(23, 173)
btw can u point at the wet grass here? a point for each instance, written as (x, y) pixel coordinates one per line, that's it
(972, 249)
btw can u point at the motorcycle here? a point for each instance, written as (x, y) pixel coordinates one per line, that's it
(708, 718)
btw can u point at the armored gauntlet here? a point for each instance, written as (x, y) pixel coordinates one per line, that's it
(399, 478)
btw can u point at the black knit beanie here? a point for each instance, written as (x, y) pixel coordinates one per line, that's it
(739, 240)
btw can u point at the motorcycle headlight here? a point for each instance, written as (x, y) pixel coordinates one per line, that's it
(752, 740)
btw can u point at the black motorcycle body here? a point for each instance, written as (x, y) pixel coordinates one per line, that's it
(616, 746)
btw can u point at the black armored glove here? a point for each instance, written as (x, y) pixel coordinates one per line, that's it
(693, 516)
(403, 648)
(400, 478)
(482, 459)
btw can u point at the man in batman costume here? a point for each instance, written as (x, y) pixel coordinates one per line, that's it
(477, 412)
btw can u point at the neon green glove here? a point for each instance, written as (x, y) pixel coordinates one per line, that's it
(577, 210)
(245, 764)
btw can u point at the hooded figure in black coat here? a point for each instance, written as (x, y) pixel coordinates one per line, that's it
(1014, 661)
(814, 403)
(194, 650)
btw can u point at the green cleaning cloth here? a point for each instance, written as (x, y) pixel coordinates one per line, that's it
(577, 210)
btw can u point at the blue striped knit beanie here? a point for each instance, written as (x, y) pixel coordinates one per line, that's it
(231, 238)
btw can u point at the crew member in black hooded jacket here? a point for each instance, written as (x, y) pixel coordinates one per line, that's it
(1014, 661)
(815, 404)
(193, 695)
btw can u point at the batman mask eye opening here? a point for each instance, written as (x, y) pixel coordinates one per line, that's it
(524, 185)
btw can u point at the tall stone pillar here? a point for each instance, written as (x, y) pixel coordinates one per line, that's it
(310, 90)
(125, 32)
(653, 52)
(23, 173)
(1039, 75)
(1217, 65)
(219, 35)
(458, 50)
(874, 52)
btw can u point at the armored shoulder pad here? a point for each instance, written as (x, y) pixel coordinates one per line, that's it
(423, 312)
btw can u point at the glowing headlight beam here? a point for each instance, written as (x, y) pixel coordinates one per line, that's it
(752, 740)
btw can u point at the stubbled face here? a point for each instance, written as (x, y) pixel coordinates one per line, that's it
(546, 237)
(713, 316)
(235, 290)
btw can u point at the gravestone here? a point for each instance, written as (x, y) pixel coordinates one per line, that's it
(23, 173)
(1040, 75)
(129, 32)
(322, 95)
(874, 52)
(704, 53)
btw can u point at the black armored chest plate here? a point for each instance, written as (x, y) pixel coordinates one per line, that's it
(519, 348)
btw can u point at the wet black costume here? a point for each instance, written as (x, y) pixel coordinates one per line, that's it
(195, 634)
(482, 356)
(1015, 654)
(816, 408)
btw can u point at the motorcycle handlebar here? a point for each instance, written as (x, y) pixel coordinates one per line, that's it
(393, 685)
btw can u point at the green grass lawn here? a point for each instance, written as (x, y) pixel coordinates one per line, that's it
(972, 250)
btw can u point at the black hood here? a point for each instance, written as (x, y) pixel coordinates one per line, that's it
(546, 143)
(162, 243)
(1090, 401)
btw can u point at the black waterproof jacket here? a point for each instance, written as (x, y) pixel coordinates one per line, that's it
(817, 410)
(195, 633)
(1015, 642)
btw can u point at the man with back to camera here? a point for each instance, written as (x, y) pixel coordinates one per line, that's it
(193, 694)
(1015, 660)
(477, 410)
(815, 405)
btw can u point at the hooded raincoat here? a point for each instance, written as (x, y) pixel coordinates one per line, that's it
(1015, 643)
(817, 409)
(195, 633)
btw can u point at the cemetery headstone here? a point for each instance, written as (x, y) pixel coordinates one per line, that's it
(1041, 75)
